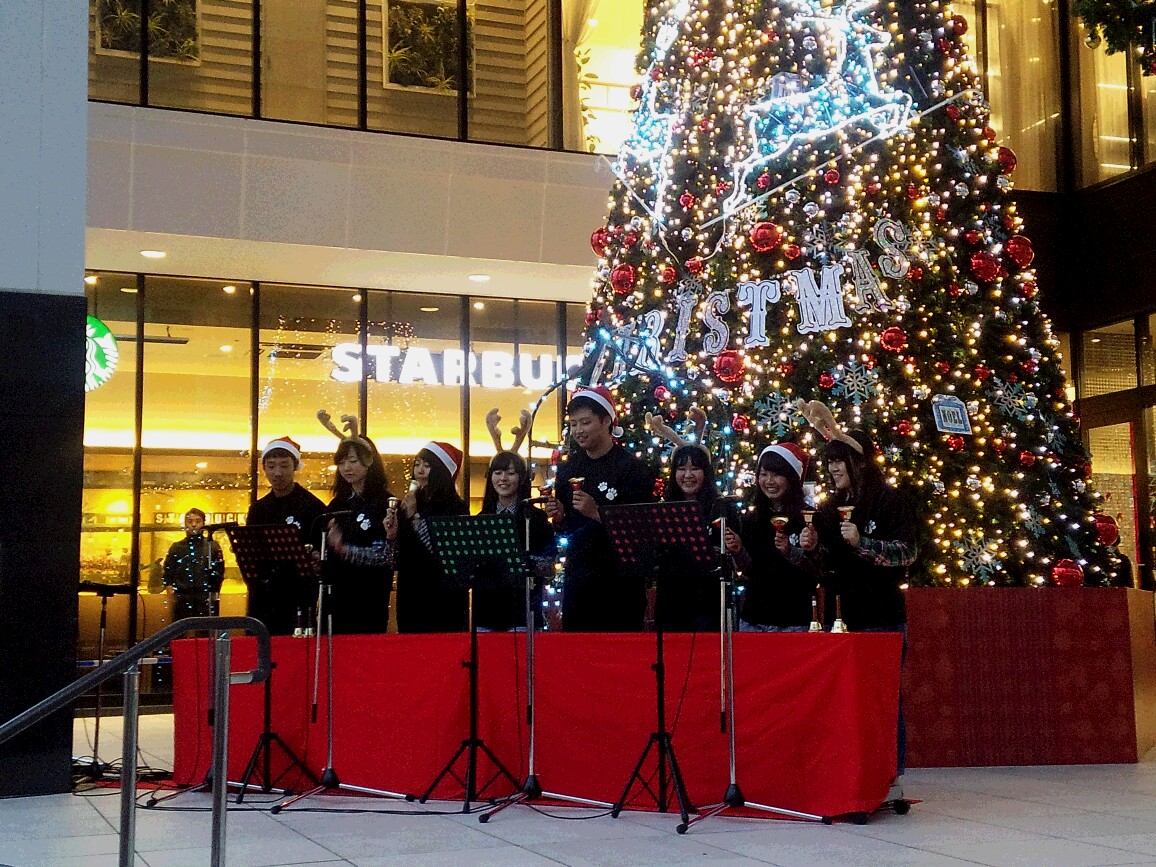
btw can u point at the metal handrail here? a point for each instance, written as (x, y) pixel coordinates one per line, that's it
(128, 664)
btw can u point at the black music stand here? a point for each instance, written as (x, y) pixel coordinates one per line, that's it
(467, 545)
(260, 550)
(644, 536)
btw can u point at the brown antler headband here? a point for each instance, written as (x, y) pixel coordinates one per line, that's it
(818, 414)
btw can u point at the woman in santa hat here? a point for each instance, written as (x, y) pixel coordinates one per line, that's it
(424, 601)
(778, 575)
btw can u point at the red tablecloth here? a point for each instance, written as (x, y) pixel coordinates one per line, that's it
(815, 714)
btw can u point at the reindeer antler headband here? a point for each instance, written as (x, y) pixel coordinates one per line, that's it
(349, 423)
(819, 415)
(660, 427)
(493, 419)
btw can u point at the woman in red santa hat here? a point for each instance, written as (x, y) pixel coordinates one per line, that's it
(424, 602)
(778, 576)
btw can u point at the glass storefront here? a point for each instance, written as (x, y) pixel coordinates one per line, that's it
(225, 366)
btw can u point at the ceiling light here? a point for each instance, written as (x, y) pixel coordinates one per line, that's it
(479, 305)
(429, 309)
(153, 254)
(593, 22)
(479, 278)
(1095, 339)
(128, 290)
(90, 280)
(357, 298)
(228, 290)
(226, 347)
(202, 465)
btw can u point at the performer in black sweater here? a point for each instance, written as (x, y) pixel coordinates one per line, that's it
(277, 597)
(779, 580)
(599, 472)
(359, 559)
(194, 568)
(425, 603)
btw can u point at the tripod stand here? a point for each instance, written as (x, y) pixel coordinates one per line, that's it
(642, 536)
(329, 780)
(733, 797)
(97, 769)
(463, 544)
(532, 788)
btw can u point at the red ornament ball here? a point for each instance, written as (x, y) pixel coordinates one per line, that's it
(826, 380)
(954, 290)
(982, 372)
(659, 487)
(740, 423)
(1027, 459)
(903, 428)
(592, 317)
(915, 273)
(763, 182)
(622, 278)
(765, 236)
(667, 275)
(1067, 573)
(873, 188)
(1030, 365)
(636, 91)
(729, 366)
(1019, 249)
(972, 237)
(793, 251)
(943, 367)
(1007, 160)
(944, 45)
(1029, 289)
(893, 338)
(694, 266)
(953, 112)
(985, 266)
(912, 192)
(661, 393)
(630, 239)
(599, 238)
(687, 200)
(787, 368)
(1107, 531)
(955, 442)
(959, 24)
(831, 176)
(989, 133)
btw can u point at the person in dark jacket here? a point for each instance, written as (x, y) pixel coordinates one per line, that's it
(778, 578)
(596, 597)
(194, 568)
(277, 597)
(507, 485)
(426, 601)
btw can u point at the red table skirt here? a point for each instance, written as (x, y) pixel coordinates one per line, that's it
(815, 714)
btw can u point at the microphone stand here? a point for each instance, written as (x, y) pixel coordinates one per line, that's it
(328, 780)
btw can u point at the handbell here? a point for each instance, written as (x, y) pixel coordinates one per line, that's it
(839, 626)
(815, 626)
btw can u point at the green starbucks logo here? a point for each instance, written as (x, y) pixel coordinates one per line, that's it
(100, 354)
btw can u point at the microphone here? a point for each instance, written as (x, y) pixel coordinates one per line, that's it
(413, 486)
(533, 501)
(326, 515)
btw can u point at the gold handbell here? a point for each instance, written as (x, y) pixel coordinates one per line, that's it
(839, 626)
(816, 626)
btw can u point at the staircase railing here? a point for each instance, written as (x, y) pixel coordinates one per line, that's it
(128, 664)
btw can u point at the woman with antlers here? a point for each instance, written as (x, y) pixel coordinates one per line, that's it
(361, 558)
(507, 487)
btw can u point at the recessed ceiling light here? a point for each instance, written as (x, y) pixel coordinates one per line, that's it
(228, 290)
(202, 465)
(90, 280)
(153, 254)
(357, 298)
(226, 347)
(1095, 339)
(128, 290)
(429, 309)
(479, 278)
(479, 305)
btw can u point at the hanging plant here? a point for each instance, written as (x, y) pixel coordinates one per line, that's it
(1123, 26)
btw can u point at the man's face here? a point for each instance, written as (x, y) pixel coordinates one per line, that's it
(589, 430)
(194, 524)
(279, 470)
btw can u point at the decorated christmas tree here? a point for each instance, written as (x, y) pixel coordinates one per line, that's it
(812, 205)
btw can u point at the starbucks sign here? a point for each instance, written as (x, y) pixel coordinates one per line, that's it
(100, 354)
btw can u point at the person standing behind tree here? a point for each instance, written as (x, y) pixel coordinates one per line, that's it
(194, 568)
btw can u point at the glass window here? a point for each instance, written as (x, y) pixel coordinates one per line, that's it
(1065, 362)
(195, 418)
(600, 42)
(1114, 476)
(200, 54)
(307, 73)
(1109, 362)
(309, 346)
(113, 46)
(1103, 143)
(1022, 66)
(1148, 110)
(510, 98)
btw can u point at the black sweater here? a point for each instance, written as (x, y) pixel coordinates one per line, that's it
(425, 601)
(504, 607)
(778, 589)
(361, 590)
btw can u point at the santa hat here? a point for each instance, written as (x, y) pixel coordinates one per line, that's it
(600, 394)
(285, 444)
(794, 456)
(448, 455)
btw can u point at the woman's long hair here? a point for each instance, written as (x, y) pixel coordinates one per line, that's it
(439, 492)
(376, 485)
(793, 503)
(696, 456)
(505, 460)
(866, 477)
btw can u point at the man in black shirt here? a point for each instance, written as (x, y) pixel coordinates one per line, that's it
(277, 597)
(194, 568)
(595, 596)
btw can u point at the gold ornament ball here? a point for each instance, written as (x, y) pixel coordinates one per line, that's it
(1092, 40)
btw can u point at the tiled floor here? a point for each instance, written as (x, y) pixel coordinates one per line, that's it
(1000, 816)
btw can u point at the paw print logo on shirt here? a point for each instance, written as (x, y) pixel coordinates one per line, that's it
(610, 492)
(293, 522)
(869, 527)
(794, 539)
(363, 521)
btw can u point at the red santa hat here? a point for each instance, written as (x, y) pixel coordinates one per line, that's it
(448, 455)
(794, 456)
(601, 395)
(285, 444)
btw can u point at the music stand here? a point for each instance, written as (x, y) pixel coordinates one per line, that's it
(641, 535)
(463, 544)
(260, 550)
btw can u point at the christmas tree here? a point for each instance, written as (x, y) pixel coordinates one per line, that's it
(812, 205)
